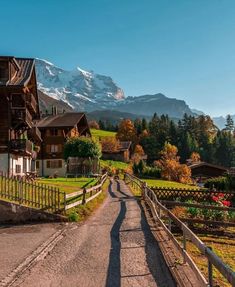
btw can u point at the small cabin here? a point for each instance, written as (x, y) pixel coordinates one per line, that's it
(207, 170)
(121, 154)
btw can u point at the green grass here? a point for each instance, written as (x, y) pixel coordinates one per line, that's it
(69, 185)
(166, 183)
(99, 134)
(81, 212)
(116, 164)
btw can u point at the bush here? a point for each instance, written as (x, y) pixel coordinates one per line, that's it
(82, 147)
(142, 170)
(221, 183)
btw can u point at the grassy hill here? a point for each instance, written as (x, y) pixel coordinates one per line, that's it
(99, 134)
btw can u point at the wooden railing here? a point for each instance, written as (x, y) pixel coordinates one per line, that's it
(21, 145)
(158, 211)
(34, 195)
(85, 195)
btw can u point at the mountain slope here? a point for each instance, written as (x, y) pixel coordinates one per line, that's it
(80, 89)
(88, 91)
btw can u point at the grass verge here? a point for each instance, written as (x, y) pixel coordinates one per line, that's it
(169, 184)
(99, 134)
(81, 212)
(69, 185)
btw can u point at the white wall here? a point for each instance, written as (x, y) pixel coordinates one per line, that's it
(61, 172)
(14, 160)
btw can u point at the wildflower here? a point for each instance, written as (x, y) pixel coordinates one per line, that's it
(226, 203)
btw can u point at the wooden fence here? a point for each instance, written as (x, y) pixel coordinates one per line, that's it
(158, 211)
(85, 195)
(184, 194)
(35, 195)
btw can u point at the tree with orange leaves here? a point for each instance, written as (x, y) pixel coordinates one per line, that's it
(110, 144)
(126, 131)
(195, 157)
(171, 169)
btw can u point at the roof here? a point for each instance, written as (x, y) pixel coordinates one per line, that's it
(60, 120)
(25, 68)
(124, 145)
(202, 163)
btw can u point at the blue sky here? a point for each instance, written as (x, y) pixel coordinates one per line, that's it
(184, 49)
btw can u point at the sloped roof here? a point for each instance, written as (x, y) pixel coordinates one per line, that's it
(202, 163)
(60, 120)
(25, 68)
(124, 145)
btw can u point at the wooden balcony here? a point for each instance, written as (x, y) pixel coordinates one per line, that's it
(21, 117)
(31, 103)
(35, 134)
(21, 146)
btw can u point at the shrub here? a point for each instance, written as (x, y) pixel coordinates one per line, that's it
(82, 147)
(221, 183)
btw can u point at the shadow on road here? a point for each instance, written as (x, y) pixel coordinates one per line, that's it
(114, 269)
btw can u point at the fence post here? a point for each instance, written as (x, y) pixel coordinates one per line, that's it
(84, 196)
(20, 191)
(184, 245)
(143, 193)
(210, 272)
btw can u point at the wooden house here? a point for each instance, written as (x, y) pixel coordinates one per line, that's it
(121, 154)
(55, 130)
(19, 108)
(206, 170)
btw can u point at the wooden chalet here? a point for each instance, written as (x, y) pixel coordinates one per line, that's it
(55, 130)
(206, 170)
(19, 109)
(121, 154)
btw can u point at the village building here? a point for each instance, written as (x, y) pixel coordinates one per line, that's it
(55, 130)
(206, 170)
(19, 109)
(122, 153)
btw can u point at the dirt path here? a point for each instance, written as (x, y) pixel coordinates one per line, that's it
(114, 247)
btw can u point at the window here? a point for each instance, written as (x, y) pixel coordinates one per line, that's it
(37, 164)
(54, 132)
(18, 168)
(54, 163)
(54, 148)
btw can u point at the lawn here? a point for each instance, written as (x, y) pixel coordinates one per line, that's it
(166, 183)
(116, 164)
(98, 134)
(223, 246)
(69, 185)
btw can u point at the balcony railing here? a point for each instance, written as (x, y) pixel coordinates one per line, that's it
(31, 102)
(21, 146)
(35, 134)
(21, 115)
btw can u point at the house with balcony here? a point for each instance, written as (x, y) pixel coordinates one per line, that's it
(19, 110)
(55, 130)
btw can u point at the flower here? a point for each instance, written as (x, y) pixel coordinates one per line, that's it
(226, 203)
(215, 198)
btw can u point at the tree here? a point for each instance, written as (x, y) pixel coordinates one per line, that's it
(126, 131)
(171, 169)
(94, 125)
(195, 157)
(82, 147)
(229, 126)
(138, 153)
(109, 144)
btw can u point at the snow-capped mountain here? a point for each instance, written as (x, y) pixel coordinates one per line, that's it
(82, 90)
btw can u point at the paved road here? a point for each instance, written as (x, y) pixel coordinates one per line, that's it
(112, 248)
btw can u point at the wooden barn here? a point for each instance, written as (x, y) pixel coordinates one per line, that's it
(55, 130)
(121, 154)
(206, 170)
(19, 109)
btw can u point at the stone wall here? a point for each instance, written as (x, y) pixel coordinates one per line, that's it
(15, 213)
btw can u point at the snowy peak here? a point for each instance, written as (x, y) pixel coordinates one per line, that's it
(80, 89)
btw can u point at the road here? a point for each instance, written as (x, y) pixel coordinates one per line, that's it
(114, 247)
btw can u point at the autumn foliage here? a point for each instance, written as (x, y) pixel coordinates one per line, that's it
(195, 157)
(126, 131)
(171, 169)
(110, 144)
